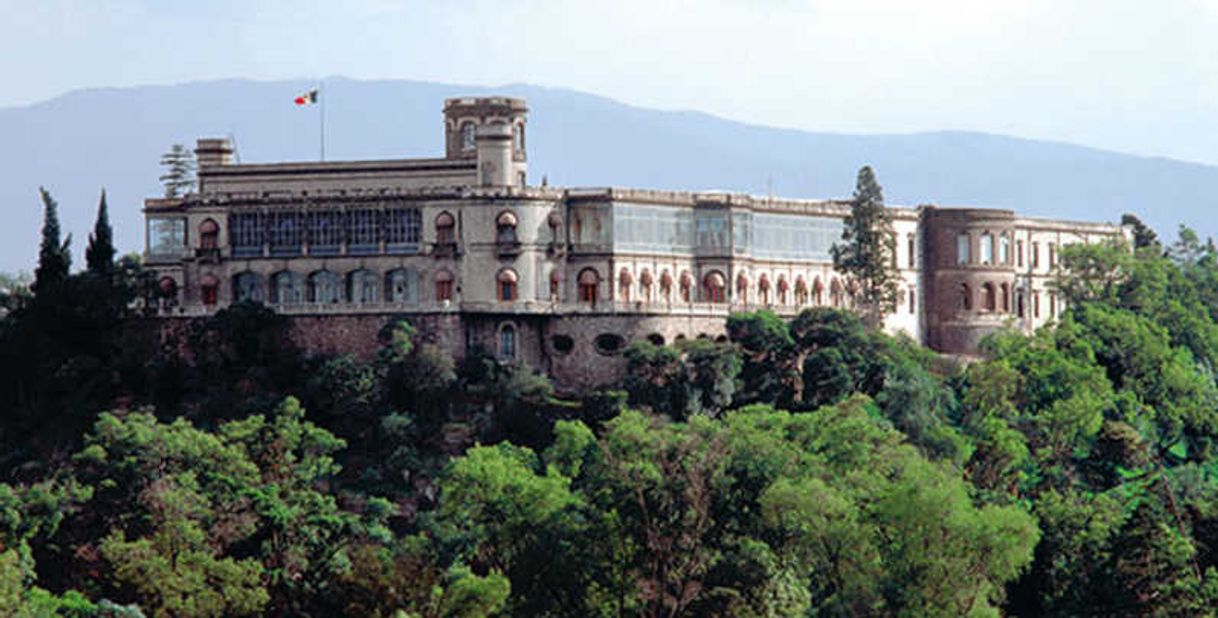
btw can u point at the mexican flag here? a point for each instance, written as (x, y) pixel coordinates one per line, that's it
(307, 98)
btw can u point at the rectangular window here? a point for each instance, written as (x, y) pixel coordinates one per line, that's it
(403, 227)
(1052, 255)
(963, 250)
(1019, 252)
(1035, 255)
(712, 229)
(325, 232)
(987, 249)
(363, 235)
(284, 231)
(913, 300)
(444, 290)
(245, 233)
(166, 236)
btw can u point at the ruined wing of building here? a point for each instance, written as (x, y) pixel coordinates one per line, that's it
(474, 254)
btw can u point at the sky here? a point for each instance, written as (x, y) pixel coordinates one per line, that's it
(1137, 76)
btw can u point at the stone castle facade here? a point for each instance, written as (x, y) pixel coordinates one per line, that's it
(563, 278)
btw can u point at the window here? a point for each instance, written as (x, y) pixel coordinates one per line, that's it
(964, 298)
(555, 284)
(445, 226)
(987, 248)
(209, 234)
(1035, 255)
(362, 232)
(444, 286)
(963, 250)
(1035, 304)
(711, 229)
(609, 343)
(714, 287)
(1019, 253)
(1052, 303)
(507, 285)
(505, 228)
(208, 290)
(402, 230)
(402, 286)
(248, 286)
(988, 297)
(801, 290)
(169, 292)
(763, 289)
(783, 287)
(1004, 249)
(892, 248)
(518, 138)
(742, 289)
(1052, 255)
(625, 281)
(286, 288)
(468, 136)
(645, 283)
(325, 232)
(325, 287)
(166, 236)
(245, 230)
(563, 344)
(835, 292)
(666, 284)
(687, 285)
(1006, 298)
(818, 291)
(912, 248)
(507, 342)
(589, 281)
(913, 299)
(284, 233)
(655, 339)
(1020, 302)
(363, 286)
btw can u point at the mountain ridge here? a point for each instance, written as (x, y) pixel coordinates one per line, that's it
(82, 140)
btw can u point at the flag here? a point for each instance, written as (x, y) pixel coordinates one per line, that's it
(307, 98)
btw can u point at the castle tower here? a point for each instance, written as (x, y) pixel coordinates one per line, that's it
(490, 130)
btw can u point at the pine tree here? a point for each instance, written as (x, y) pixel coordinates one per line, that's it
(99, 255)
(179, 176)
(54, 258)
(865, 256)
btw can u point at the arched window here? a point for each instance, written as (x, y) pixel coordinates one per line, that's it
(1004, 249)
(555, 284)
(687, 285)
(625, 281)
(1052, 303)
(835, 292)
(801, 290)
(892, 254)
(964, 298)
(1052, 255)
(468, 136)
(248, 286)
(286, 288)
(444, 286)
(209, 234)
(912, 248)
(963, 249)
(1019, 253)
(507, 285)
(363, 286)
(783, 287)
(1006, 298)
(507, 342)
(987, 248)
(445, 229)
(402, 286)
(742, 289)
(518, 137)
(645, 283)
(325, 287)
(763, 289)
(589, 284)
(169, 292)
(818, 292)
(1020, 302)
(1036, 303)
(988, 297)
(209, 287)
(505, 228)
(913, 299)
(666, 284)
(714, 287)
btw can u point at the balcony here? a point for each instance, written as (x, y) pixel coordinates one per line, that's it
(208, 255)
(507, 249)
(444, 250)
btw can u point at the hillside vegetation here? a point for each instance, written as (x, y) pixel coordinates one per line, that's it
(803, 468)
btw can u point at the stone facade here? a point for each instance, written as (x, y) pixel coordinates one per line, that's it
(563, 278)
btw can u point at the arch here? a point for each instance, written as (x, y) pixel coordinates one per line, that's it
(469, 137)
(556, 278)
(783, 287)
(562, 344)
(507, 341)
(554, 219)
(1021, 302)
(964, 249)
(763, 289)
(666, 283)
(835, 292)
(444, 285)
(609, 343)
(625, 280)
(402, 286)
(209, 287)
(446, 226)
(964, 298)
(505, 227)
(801, 290)
(656, 339)
(818, 291)
(589, 285)
(287, 288)
(645, 283)
(714, 287)
(1004, 248)
(168, 287)
(989, 301)
(518, 137)
(325, 287)
(742, 288)
(987, 248)
(1006, 297)
(687, 285)
(249, 286)
(506, 289)
(209, 234)
(363, 286)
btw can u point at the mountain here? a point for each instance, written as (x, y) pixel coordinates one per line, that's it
(77, 143)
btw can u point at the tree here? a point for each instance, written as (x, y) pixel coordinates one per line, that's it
(865, 255)
(99, 255)
(54, 258)
(179, 176)
(1143, 236)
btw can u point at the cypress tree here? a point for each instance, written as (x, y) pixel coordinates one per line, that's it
(865, 255)
(54, 258)
(99, 255)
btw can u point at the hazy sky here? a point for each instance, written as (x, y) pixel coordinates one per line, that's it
(1132, 75)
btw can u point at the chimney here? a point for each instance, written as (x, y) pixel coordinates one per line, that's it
(211, 151)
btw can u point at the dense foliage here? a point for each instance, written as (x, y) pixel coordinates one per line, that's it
(810, 467)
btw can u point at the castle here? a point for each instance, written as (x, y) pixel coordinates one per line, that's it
(563, 278)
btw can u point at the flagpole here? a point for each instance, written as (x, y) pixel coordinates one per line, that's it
(321, 132)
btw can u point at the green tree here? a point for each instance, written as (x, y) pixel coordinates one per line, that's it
(867, 249)
(179, 176)
(1143, 236)
(99, 255)
(54, 256)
